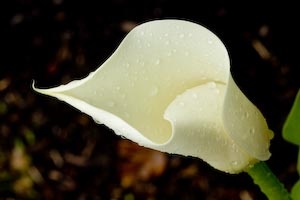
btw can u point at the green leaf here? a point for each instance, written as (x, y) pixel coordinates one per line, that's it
(296, 191)
(291, 128)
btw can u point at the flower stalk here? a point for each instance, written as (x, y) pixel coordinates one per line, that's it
(268, 182)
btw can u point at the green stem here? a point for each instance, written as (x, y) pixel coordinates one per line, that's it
(268, 182)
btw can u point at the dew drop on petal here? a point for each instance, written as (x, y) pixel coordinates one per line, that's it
(122, 96)
(111, 104)
(153, 91)
(217, 91)
(252, 130)
(212, 85)
(234, 163)
(127, 115)
(97, 121)
(157, 62)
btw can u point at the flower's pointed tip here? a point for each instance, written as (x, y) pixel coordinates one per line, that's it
(46, 91)
(39, 90)
(35, 88)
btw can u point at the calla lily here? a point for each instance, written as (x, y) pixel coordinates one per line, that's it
(168, 87)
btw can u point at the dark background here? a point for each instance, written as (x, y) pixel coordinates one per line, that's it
(51, 151)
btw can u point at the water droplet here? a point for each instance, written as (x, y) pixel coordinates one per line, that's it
(179, 70)
(167, 42)
(252, 130)
(127, 65)
(181, 35)
(118, 88)
(195, 96)
(190, 34)
(123, 137)
(212, 85)
(235, 163)
(174, 121)
(148, 45)
(181, 103)
(174, 50)
(127, 115)
(157, 62)
(97, 121)
(186, 53)
(246, 115)
(166, 34)
(153, 91)
(217, 91)
(169, 53)
(111, 104)
(209, 41)
(123, 96)
(236, 150)
(142, 33)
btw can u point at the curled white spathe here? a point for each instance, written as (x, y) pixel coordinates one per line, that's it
(168, 87)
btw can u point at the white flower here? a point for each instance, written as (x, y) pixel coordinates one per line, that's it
(168, 87)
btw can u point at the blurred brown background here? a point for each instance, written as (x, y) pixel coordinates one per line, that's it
(48, 150)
